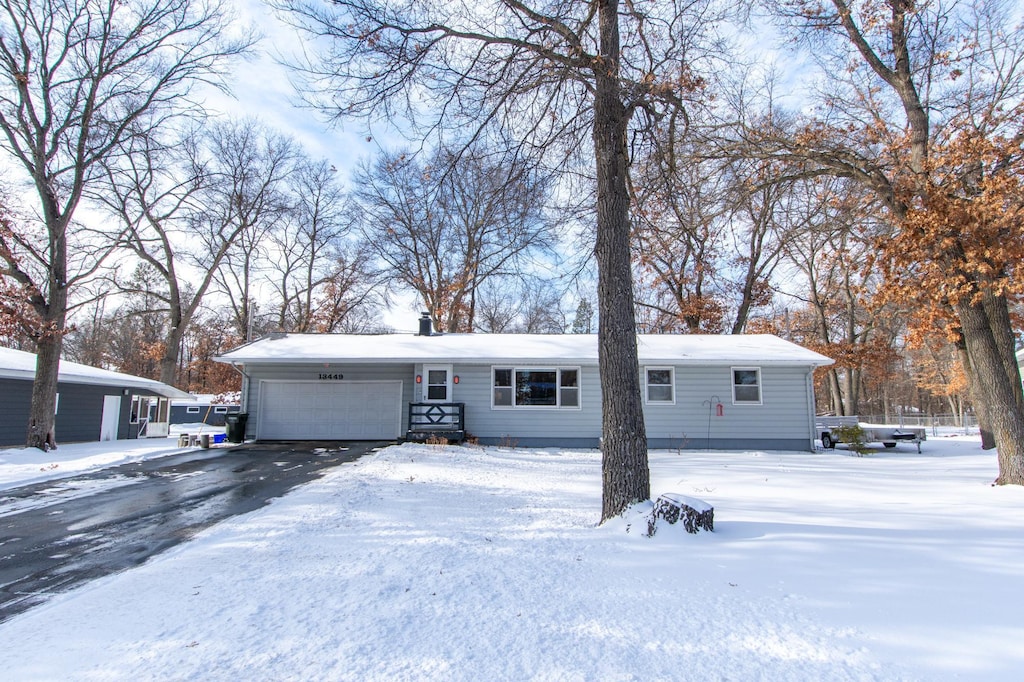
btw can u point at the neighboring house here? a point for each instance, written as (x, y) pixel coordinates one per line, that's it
(92, 403)
(699, 391)
(203, 409)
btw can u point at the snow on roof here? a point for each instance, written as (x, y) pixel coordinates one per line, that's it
(17, 364)
(229, 398)
(675, 349)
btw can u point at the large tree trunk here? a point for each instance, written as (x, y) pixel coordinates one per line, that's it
(169, 359)
(178, 321)
(53, 313)
(988, 441)
(625, 475)
(42, 431)
(998, 311)
(836, 393)
(992, 388)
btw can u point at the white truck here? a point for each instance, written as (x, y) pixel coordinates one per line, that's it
(887, 435)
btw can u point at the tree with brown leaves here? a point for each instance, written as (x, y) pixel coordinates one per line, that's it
(924, 107)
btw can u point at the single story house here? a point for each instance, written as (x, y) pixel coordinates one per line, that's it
(699, 391)
(92, 403)
(204, 408)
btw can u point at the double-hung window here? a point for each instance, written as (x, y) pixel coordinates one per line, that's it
(746, 386)
(660, 385)
(536, 387)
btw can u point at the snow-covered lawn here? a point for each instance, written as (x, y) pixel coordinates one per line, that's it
(461, 563)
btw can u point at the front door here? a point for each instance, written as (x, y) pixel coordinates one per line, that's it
(437, 388)
(111, 417)
(438, 383)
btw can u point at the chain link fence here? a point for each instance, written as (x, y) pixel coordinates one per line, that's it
(936, 423)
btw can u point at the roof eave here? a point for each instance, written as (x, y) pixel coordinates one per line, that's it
(704, 362)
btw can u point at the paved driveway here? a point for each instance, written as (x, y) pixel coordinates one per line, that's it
(56, 535)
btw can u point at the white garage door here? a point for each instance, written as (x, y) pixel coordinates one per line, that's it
(353, 410)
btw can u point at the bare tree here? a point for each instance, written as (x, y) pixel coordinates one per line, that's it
(151, 188)
(321, 273)
(249, 167)
(681, 222)
(763, 220)
(129, 337)
(843, 318)
(447, 226)
(75, 78)
(524, 305)
(555, 71)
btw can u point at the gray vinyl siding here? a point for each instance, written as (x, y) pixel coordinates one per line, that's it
(782, 420)
(79, 411)
(534, 426)
(400, 372)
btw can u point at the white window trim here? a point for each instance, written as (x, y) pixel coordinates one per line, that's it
(557, 369)
(760, 386)
(671, 384)
(220, 410)
(192, 409)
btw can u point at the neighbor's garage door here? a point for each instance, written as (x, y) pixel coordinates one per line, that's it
(353, 410)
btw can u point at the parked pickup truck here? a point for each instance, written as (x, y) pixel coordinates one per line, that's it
(885, 434)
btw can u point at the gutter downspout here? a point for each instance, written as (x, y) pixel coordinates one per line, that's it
(244, 398)
(811, 407)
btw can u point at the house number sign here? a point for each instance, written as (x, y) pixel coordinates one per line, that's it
(331, 377)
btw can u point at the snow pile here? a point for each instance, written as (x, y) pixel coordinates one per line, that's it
(457, 563)
(23, 466)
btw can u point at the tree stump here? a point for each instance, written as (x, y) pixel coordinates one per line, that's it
(695, 514)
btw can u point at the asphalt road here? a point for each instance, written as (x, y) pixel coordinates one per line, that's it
(59, 534)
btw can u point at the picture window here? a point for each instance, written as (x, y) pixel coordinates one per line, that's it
(526, 387)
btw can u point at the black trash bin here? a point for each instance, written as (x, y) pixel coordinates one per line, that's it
(235, 423)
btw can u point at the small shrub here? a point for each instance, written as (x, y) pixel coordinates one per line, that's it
(507, 441)
(853, 436)
(435, 439)
(680, 443)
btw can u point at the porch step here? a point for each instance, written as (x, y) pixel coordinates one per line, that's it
(422, 436)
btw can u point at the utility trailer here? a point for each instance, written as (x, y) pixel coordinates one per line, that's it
(887, 435)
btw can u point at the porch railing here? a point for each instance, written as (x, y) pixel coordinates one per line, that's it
(447, 420)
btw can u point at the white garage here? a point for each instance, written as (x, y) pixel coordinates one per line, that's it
(350, 410)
